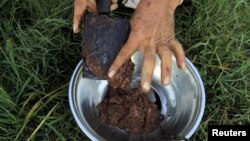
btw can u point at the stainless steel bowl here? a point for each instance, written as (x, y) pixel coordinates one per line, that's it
(182, 103)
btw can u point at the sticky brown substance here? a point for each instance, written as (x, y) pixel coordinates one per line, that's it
(129, 110)
(103, 38)
(123, 76)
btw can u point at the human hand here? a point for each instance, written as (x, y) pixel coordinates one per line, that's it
(80, 6)
(152, 32)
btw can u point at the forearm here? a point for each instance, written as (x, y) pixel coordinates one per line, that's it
(134, 3)
(156, 10)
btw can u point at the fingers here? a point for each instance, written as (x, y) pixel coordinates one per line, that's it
(79, 8)
(125, 53)
(165, 55)
(177, 49)
(148, 68)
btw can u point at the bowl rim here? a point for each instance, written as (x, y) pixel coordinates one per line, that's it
(76, 115)
(203, 99)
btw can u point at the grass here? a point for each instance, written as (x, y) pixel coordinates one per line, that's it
(38, 53)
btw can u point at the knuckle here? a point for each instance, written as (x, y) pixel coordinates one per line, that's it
(130, 44)
(162, 44)
(175, 43)
(163, 41)
(123, 55)
(150, 49)
(77, 16)
(146, 76)
(163, 50)
(179, 45)
(136, 28)
(149, 58)
(164, 53)
(166, 69)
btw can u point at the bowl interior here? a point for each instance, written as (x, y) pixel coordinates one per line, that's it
(182, 103)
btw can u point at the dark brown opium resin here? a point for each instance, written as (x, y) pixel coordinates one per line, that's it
(129, 110)
(123, 76)
(103, 38)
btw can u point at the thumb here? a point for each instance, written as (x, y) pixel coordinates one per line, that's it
(79, 9)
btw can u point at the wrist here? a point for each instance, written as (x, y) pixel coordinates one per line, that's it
(168, 6)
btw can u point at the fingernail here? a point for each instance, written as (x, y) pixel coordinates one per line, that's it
(111, 74)
(75, 30)
(146, 86)
(166, 80)
(183, 65)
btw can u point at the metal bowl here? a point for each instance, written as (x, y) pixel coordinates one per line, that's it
(182, 103)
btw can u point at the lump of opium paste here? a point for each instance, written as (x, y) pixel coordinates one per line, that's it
(103, 38)
(129, 110)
